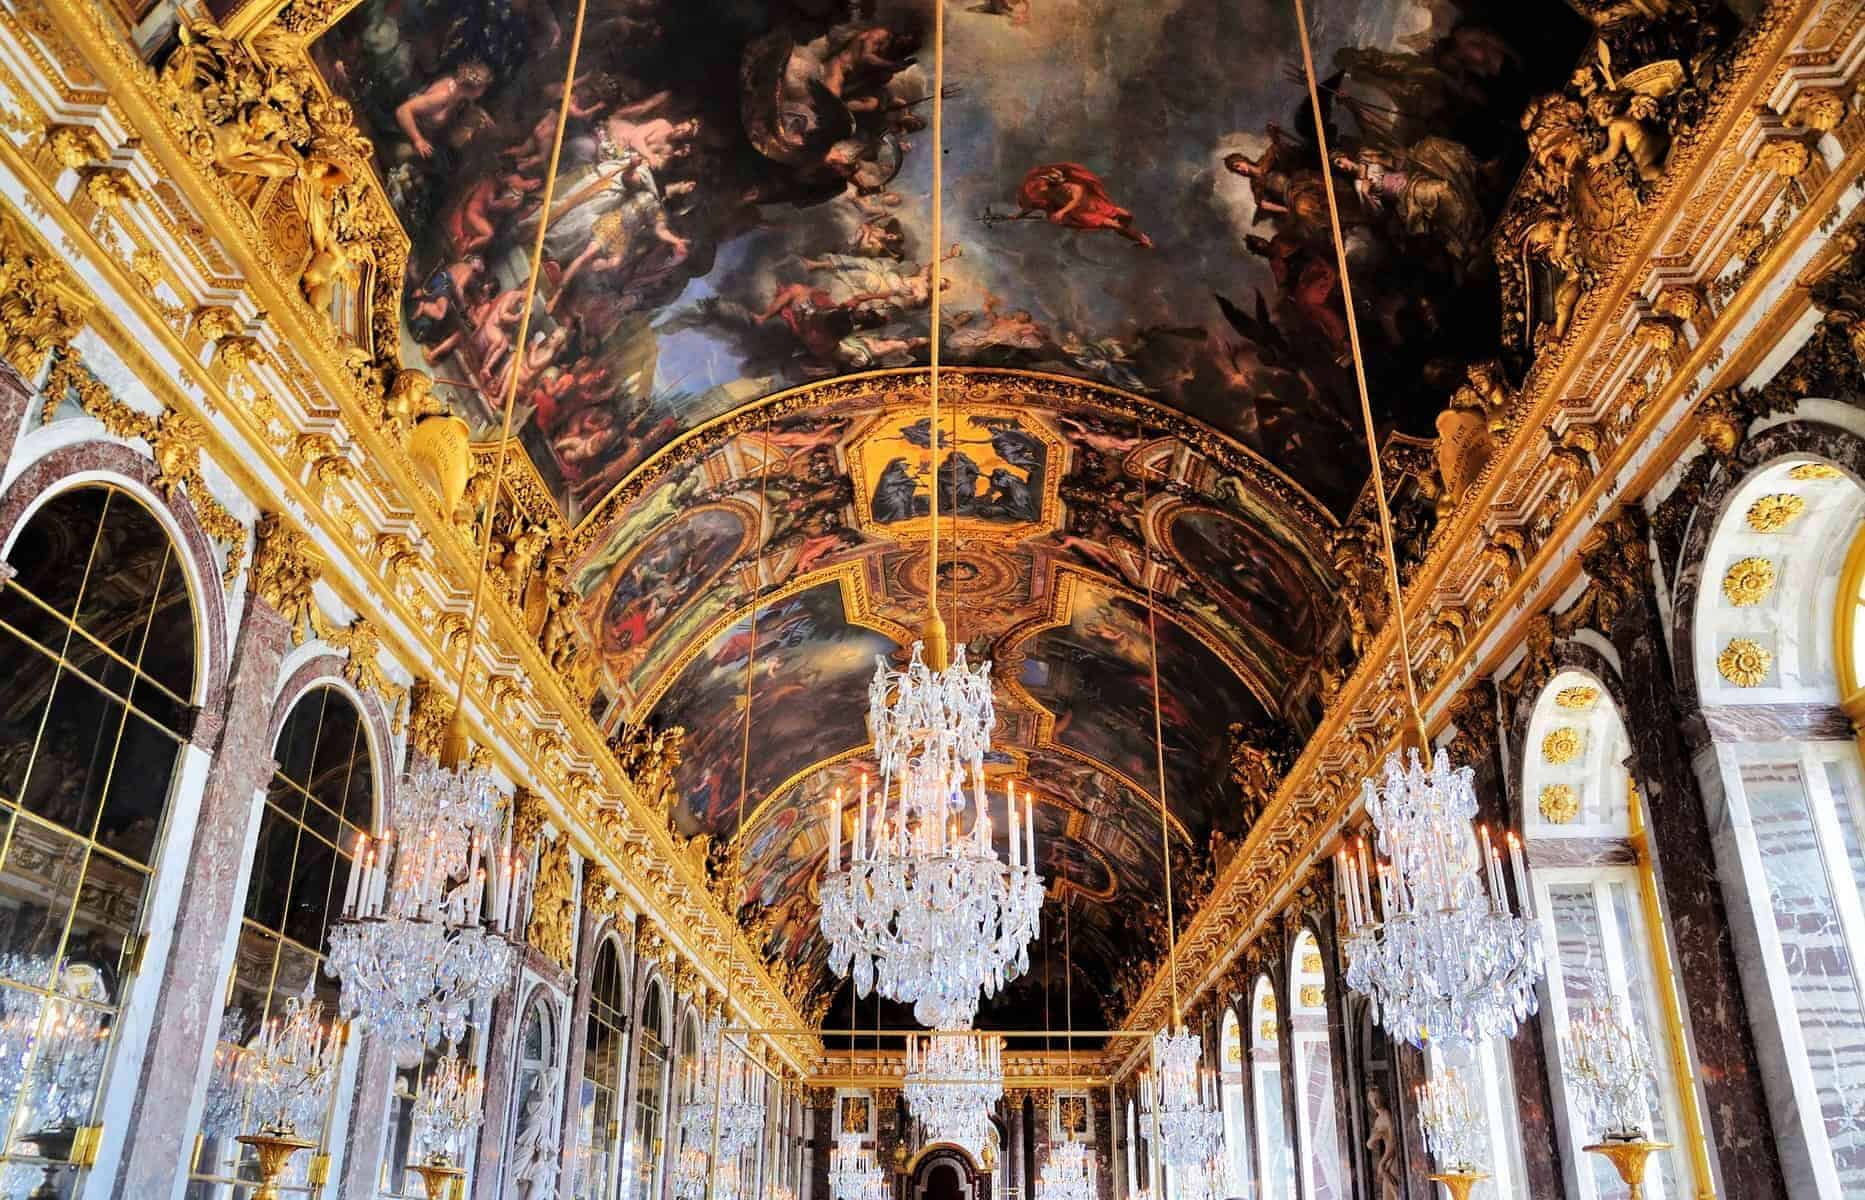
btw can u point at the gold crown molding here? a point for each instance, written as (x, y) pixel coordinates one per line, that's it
(251, 458)
(1296, 828)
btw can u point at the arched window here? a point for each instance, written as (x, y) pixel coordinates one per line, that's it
(320, 800)
(646, 1150)
(1598, 908)
(1321, 1161)
(605, 1058)
(97, 667)
(689, 1090)
(1775, 639)
(1236, 1120)
(1272, 1130)
(536, 1105)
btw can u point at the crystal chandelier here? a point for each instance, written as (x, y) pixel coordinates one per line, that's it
(423, 934)
(1442, 958)
(1180, 1108)
(740, 1107)
(1069, 1173)
(1608, 1061)
(689, 1174)
(64, 1043)
(1449, 1120)
(953, 1080)
(851, 1167)
(923, 912)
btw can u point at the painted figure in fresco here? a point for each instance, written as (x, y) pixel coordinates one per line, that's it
(442, 107)
(439, 311)
(486, 207)
(1308, 279)
(1017, 10)
(1431, 190)
(1281, 181)
(1071, 195)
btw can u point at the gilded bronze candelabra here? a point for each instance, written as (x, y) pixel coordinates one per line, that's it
(274, 1149)
(1629, 1156)
(1459, 1183)
(440, 1176)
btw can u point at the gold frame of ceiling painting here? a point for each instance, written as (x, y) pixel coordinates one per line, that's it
(1693, 298)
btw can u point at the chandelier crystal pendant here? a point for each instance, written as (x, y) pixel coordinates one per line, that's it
(953, 1080)
(923, 911)
(1442, 957)
(1181, 1105)
(423, 935)
(1069, 1173)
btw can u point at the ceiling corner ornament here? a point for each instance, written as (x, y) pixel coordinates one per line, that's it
(1579, 698)
(1775, 512)
(1744, 662)
(1558, 804)
(1748, 581)
(1563, 744)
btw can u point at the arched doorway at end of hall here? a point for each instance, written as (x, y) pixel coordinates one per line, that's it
(945, 1172)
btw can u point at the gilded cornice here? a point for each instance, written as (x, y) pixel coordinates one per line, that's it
(296, 386)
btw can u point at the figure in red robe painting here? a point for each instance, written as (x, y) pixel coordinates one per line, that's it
(1072, 195)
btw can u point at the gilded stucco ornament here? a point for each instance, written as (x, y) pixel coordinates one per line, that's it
(552, 928)
(1558, 803)
(430, 711)
(363, 643)
(1744, 662)
(1312, 995)
(1563, 744)
(1775, 512)
(1748, 581)
(74, 147)
(648, 757)
(41, 305)
(286, 566)
(1808, 472)
(1577, 698)
(1789, 156)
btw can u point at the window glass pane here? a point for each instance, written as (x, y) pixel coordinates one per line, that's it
(605, 1059)
(137, 797)
(1820, 969)
(291, 895)
(1272, 1130)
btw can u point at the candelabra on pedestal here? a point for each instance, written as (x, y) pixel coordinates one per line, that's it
(1607, 1061)
(450, 1105)
(291, 1067)
(1453, 1132)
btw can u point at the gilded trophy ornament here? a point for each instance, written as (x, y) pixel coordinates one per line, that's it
(1744, 662)
(1562, 745)
(552, 928)
(1558, 804)
(286, 566)
(1775, 512)
(1748, 581)
(41, 305)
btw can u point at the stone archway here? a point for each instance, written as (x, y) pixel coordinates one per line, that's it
(946, 1172)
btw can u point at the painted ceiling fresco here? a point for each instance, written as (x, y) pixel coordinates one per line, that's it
(1140, 277)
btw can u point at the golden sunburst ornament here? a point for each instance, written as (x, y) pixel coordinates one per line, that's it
(1266, 1031)
(1748, 581)
(1775, 512)
(1744, 662)
(1578, 698)
(1311, 963)
(1559, 803)
(1562, 745)
(1807, 471)
(1312, 996)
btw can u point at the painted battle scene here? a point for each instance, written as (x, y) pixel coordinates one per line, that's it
(1134, 196)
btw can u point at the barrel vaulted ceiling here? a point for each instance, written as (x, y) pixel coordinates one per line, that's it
(718, 388)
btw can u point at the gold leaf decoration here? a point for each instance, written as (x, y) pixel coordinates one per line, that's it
(1811, 471)
(1748, 581)
(1269, 1002)
(1312, 995)
(1562, 745)
(1311, 963)
(1559, 803)
(1774, 512)
(1266, 1031)
(1578, 698)
(1744, 662)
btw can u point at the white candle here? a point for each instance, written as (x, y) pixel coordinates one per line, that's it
(861, 823)
(1521, 876)
(349, 889)
(1010, 806)
(1029, 832)
(835, 831)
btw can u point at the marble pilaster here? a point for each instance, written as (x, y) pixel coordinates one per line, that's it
(166, 1110)
(367, 1136)
(573, 1062)
(495, 1135)
(16, 397)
